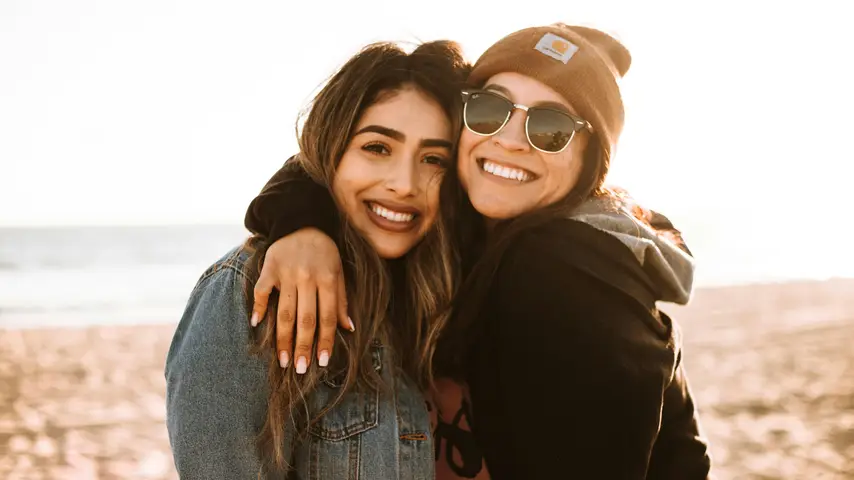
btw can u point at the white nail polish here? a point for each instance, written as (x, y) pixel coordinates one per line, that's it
(283, 359)
(302, 365)
(254, 320)
(352, 325)
(324, 359)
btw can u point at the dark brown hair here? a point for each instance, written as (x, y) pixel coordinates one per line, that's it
(436, 69)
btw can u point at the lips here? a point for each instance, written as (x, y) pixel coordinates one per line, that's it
(393, 217)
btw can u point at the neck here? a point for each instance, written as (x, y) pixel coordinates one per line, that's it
(490, 225)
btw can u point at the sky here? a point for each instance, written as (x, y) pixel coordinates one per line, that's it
(738, 114)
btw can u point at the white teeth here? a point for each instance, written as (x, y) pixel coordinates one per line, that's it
(391, 214)
(505, 172)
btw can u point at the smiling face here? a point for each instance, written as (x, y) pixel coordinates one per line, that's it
(387, 182)
(503, 174)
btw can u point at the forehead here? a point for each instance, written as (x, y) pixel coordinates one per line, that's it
(409, 111)
(526, 90)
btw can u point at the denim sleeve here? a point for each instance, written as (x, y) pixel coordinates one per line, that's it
(216, 391)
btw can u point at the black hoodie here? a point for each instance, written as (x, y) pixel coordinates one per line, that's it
(572, 369)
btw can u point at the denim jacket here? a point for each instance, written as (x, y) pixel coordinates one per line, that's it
(216, 402)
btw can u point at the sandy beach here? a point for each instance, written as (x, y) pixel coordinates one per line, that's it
(772, 367)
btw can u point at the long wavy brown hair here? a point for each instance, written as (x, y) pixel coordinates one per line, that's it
(429, 270)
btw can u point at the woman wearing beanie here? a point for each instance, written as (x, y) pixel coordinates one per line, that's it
(561, 361)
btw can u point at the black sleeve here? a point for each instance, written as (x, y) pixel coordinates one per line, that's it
(567, 380)
(291, 200)
(681, 450)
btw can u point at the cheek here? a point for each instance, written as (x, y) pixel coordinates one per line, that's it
(465, 149)
(346, 183)
(577, 160)
(339, 189)
(467, 142)
(432, 194)
(566, 169)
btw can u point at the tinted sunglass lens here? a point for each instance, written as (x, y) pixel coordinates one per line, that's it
(549, 130)
(485, 113)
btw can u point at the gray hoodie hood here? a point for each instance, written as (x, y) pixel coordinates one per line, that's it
(668, 265)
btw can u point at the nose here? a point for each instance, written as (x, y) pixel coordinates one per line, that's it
(403, 177)
(512, 137)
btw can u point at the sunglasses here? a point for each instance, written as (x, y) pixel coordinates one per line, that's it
(549, 130)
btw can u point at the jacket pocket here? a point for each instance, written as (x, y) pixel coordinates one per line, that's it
(356, 413)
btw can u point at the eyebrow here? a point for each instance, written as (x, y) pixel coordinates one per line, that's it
(547, 104)
(556, 106)
(497, 88)
(400, 137)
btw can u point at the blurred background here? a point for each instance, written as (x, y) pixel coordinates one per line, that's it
(134, 134)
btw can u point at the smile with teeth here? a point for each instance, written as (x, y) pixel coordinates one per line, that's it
(505, 172)
(391, 215)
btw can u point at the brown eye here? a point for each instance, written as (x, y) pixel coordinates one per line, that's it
(376, 148)
(437, 160)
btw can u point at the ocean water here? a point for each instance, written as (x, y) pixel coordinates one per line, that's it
(76, 276)
(104, 275)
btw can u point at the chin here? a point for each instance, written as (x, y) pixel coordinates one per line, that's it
(391, 251)
(492, 212)
(494, 208)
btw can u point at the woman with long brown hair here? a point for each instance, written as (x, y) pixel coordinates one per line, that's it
(378, 138)
(566, 366)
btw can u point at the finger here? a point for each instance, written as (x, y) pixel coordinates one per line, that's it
(344, 319)
(306, 324)
(263, 288)
(327, 290)
(285, 323)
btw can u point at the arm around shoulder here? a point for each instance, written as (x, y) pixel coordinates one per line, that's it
(290, 201)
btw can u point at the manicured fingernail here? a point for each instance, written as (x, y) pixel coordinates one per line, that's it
(324, 359)
(254, 320)
(352, 325)
(283, 359)
(302, 365)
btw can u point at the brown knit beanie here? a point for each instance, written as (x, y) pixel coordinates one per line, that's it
(580, 63)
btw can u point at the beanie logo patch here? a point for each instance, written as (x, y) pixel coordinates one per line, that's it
(556, 47)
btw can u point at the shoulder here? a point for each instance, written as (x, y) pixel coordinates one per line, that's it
(216, 316)
(576, 243)
(223, 288)
(233, 266)
(567, 281)
(570, 253)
